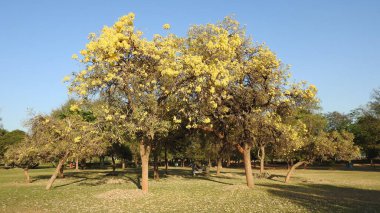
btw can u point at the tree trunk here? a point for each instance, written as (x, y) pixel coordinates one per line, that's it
(156, 175)
(219, 166)
(123, 165)
(246, 151)
(136, 160)
(144, 153)
(76, 164)
(166, 158)
(248, 166)
(228, 161)
(183, 163)
(113, 163)
(209, 162)
(54, 176)
(61, 175)
(292, 170)
(26, 173)
(262, 159)
(101, 158)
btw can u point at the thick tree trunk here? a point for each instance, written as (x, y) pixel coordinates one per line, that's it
(144, 153)
(292, 170)
(156, 175)
(76, 164)
(166, 158)
(113, 163)
(246, 151)
(219, 166)
(26, 173)
(262, 159)
(54, 176)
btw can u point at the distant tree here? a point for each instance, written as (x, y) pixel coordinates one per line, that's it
(23, 155)
(337, 121)
(10, 138)
(366, 126)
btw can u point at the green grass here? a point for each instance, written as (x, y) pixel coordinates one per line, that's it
(310, 190)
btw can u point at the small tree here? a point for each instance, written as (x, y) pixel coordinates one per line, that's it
(23, 155)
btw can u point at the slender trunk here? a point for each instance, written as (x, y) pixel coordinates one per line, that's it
(123, 165)
(247, 165)
(183, 163)
(144, 153)
(209, 162)
(288, 165)
(136, 160)
(166, 158)
(54, 176)
(219, 166)
(228, 161)
(76, 164)
(262, 159)
(113, 163)
(292, 170)
(101, 161)
(26, 173)
(156, 175)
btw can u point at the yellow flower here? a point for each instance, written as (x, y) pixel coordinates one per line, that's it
(109, 118)
(77, 139)
(74, 107)
(66, 78)
(177, 121)
(74, 56)
(198, 89)
(166, 26)
(206, 120)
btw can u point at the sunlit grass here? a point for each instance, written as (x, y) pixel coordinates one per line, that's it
(311, 190)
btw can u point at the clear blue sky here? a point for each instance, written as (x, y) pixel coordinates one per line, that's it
(332, 44)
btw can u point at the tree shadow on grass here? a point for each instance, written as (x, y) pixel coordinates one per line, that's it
(327, 198)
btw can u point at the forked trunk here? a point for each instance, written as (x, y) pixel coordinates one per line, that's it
(56, 172)
(292, 170)
(246, 151)
(144, 153)
(219, 166)
(262, 159)
(26, 173)
(76, 164)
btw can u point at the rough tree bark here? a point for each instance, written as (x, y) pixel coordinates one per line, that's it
(26, 173)
(292, 170)
(57, 170)
(144, 153)
(219, 166)
(246, 151)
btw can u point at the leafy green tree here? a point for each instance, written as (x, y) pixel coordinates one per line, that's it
(337, 121)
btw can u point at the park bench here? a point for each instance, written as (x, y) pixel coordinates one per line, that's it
(204, 170)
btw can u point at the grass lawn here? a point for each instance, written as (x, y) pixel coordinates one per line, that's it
(310, 190)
